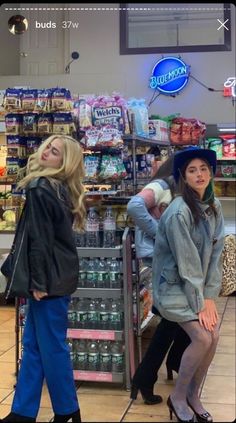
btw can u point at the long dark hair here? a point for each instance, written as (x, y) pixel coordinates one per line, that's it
(191, 197)
(165, 172)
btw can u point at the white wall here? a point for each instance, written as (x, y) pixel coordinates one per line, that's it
(101, 69)
(9, 59)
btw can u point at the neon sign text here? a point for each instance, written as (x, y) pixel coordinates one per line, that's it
(169, 75)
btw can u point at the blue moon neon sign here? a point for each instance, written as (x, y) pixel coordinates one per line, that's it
(169, 75)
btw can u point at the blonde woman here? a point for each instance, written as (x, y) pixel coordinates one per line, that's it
(54, 202)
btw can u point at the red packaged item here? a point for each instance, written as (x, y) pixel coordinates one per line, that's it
(229, 149)
(185, 131)
(186, 137)
(198, 131)
(176, 131)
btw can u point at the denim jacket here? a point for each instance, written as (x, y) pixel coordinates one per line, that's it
(187, 260)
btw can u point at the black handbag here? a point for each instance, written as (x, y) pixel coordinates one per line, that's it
(7, 265)
(16, 266)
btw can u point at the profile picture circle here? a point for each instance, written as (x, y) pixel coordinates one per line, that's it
(17, 24)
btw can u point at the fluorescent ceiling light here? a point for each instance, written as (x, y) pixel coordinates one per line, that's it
(226, 127)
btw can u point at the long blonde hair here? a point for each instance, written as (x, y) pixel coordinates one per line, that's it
(71, 172)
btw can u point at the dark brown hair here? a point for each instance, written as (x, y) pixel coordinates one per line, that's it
(190, 196)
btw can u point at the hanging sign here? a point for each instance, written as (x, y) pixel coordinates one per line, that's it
(230, 87)
(169, 75)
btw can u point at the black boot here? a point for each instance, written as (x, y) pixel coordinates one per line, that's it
(147, 394)
(62, 418)
(17, 418)
(181, 342)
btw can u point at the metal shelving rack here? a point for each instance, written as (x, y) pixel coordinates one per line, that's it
(228, 202)
(124, 252)
(135, 141)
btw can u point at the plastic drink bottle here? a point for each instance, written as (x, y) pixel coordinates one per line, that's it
(104, 314)
(81, 313)
(114, 273)
(116, 315)
(92, 228)
(102, 274)
(92, 315)
(109, 229)
(81, 354)
(92, 274)
(104, 356)
(71, 314)
(83, 264)
(117, 357)
(93, 355)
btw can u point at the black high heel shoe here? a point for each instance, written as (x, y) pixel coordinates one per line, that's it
(63, 418)
(204, 417)
(147, 393)
(172, 410)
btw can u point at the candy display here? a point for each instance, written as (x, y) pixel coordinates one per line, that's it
(32, 144)
(30, 123)
(28, 99)
(45, 100)
(32, 115)
(63, 124)
(13, 123)
(12, 99)
(45, 123)
(61, 99)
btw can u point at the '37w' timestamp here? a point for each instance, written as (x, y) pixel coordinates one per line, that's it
(53, 25)
(69, 24)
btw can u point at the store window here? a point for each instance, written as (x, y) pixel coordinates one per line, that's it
(174, 27)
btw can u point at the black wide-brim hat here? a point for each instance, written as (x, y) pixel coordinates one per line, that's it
(189, 153)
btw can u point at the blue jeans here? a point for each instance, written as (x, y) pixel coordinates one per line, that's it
(46, 355)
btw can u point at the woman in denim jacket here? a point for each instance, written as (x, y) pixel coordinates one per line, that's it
(187, 274)
(146, 208)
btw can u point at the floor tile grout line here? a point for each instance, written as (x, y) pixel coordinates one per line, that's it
(8, 395)
(126, 410)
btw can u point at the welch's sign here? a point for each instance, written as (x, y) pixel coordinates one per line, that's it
(169, 75)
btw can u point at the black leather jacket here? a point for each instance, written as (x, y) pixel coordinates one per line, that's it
(52, 257)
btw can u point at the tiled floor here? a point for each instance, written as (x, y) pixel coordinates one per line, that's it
(108, 403)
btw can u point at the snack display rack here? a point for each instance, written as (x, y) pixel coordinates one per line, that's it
(224, 180)
(113, 192)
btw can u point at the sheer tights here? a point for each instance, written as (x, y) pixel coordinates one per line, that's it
(193, 368)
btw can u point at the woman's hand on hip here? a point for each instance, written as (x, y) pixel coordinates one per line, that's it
(208, 317)
(38, 295)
